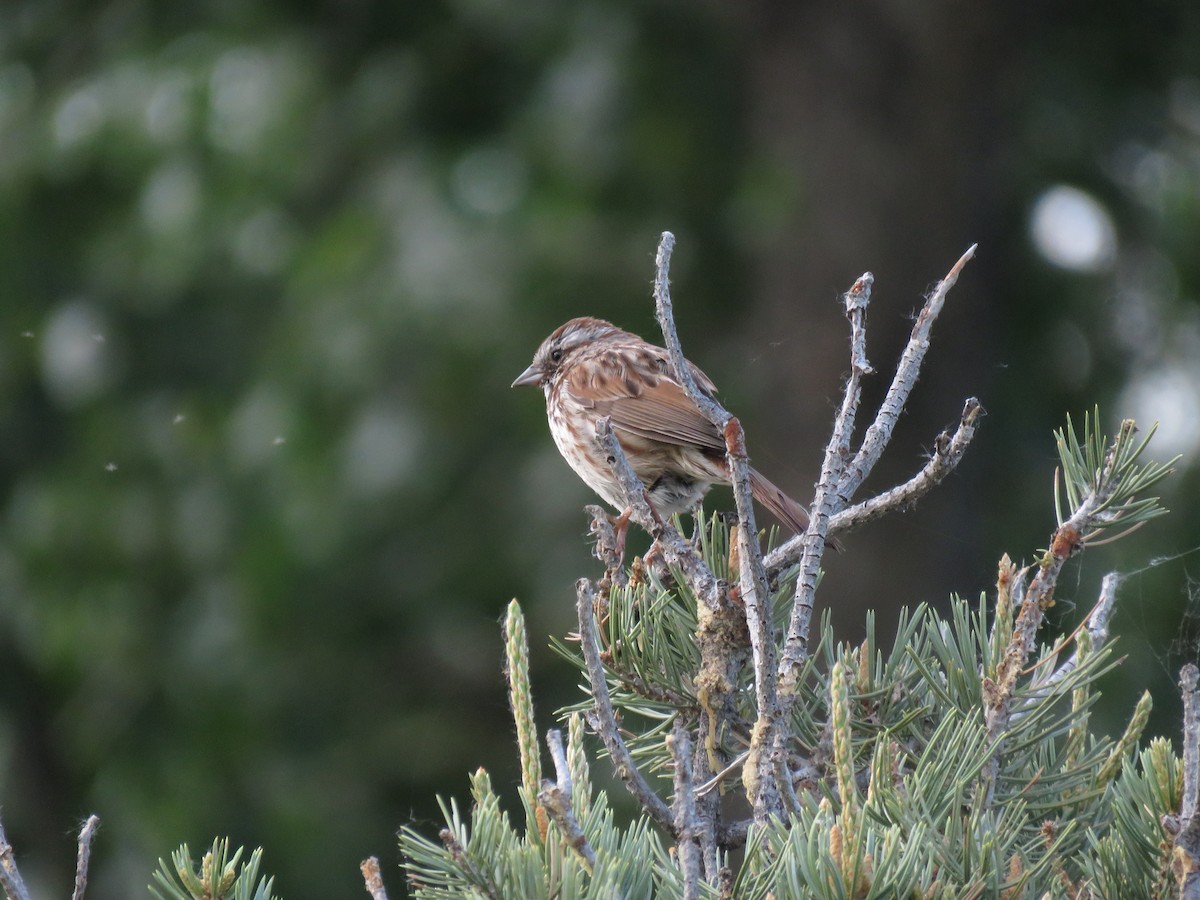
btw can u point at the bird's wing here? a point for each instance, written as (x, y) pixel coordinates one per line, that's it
(648, 403)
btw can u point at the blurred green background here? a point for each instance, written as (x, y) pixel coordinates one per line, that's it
(267, 270)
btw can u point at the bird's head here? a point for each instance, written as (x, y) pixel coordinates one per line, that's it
(563, 342)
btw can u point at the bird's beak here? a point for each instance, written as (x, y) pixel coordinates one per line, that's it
(530, 377)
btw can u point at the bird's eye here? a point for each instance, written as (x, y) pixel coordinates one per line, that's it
(556, 355)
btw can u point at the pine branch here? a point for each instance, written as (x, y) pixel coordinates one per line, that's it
(1102, 480)
(752, 578)
(520, 698)
(959, 762)
(218, 876)
(1097, 625)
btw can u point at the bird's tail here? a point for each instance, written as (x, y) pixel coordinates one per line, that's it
(782, 507)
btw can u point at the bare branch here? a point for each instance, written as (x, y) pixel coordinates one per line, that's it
(1097, 625)
(556, 799)
(1187, 842)
(751, 575)
(372, 878)
(909, 367)
(829, 497)
(1189, 678)
(604, 720)
(686, 824)
(86, 834)
(680, 369)
(10, 878)
(948, 451)
(762, 787)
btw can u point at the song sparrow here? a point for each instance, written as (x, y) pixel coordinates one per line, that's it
(589, 368)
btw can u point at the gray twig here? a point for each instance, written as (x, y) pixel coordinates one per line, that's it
(10, 878)
(1097, 626)
(556, 800)
(685, 811)
(1187, 842)
(880, 432)
(830, 496)
(680, 368)
(372, 878)
(86, 834)
(604, 721)
(948, 451)
(1189, 677)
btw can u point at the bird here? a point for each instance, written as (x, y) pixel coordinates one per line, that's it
(588, 369)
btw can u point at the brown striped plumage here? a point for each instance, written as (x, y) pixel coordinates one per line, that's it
(589, 368)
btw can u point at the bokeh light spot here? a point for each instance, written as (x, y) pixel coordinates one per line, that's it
(1170, 396)
(490, 180)
(79, 116)
(75, 366)
(171, 198)
(1072, 230)
(381, 449)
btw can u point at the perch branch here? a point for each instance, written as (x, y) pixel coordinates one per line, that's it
(608, 546)
(752, 576)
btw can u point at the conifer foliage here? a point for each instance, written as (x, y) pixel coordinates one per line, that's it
(956, 761)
